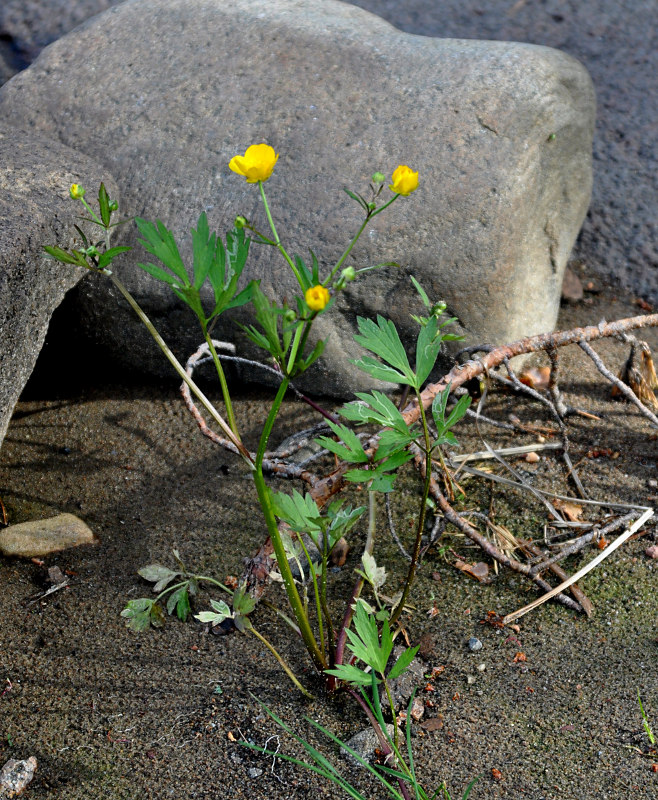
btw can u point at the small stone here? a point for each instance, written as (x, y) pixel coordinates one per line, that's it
(39, 537)
(254, 772)
(470, 679)
(364, 744)
(15, 776)
(417, 709)
(653, 483)
(482, 667)
(652, 551)
(532, 458)
(474, 644)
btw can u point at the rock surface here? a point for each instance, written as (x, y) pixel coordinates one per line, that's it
(39, 537)
(15, 776)
(612, 38)
(35, 210)
(169, 90)
(616, 41)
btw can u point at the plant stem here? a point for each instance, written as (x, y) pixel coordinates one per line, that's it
(179, 369)
(222, 380)
(277, 240)
(358, 586)
(278, 657)
(265, 500)
(421, 516)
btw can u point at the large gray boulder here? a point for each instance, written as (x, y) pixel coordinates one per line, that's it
(165, 92)
(35, 176)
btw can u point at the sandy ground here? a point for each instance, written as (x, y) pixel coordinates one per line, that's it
(112, 714)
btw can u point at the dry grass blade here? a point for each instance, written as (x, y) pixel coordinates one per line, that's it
(584, 571)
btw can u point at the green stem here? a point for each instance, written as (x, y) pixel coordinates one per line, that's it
(89, 209)
(295, 348)
(179, 369)
(316, 591)
(421, 517)
(349, 247)
(222, 380)
(278, 657)
(265, 500)
(277, 240)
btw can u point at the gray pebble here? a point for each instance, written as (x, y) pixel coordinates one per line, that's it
(474, 644)
(254, 772)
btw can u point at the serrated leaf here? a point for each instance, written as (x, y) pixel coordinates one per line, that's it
(299, 511)
(383, 483)
(403, 662)
(428, 346)
(137, 613)
(159, 241)
(350, 674)
(376, 576)
(243, 602)
(109, 255)
(382, 339)
(350, 449)
(180, 601)
(156, 572)
(203, 250)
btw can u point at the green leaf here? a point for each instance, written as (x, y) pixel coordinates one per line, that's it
(180, 600)
(203, 249)
(217, 616)
(342, 521)
(160, 274)
(421, 292)
(376, 576)
(159, 241)
(401, 665)
(109, 255)
(243, 602)
(104, 205)
(375, 407)
(351, 448)
(382, 339)
(350, 674)
(358, 199)
(428, 346)
(137, 613)
(302, 364)
(156, 572)
(75, 257)
(299, 511)
(364, 639)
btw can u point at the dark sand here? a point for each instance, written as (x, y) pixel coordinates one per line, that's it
(112, 714)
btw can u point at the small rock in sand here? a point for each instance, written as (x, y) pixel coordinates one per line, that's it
(15, 776)
(39, 537)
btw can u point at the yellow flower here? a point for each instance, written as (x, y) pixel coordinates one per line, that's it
(316, 297)
(405, 181)
(76, 191)
(256, 164)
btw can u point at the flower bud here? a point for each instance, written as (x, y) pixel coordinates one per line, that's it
(240, 222)
(114, 206)
(76, 191)
(290, 315)
(91, 252)
(378, 177)
(348, 274)
(372, 206)
(404, 181)
(317, 297)
(438, 309)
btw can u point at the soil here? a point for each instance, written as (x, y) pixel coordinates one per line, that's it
(109, 713)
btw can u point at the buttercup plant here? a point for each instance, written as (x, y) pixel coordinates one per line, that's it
(354, 653)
